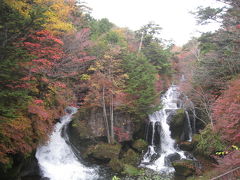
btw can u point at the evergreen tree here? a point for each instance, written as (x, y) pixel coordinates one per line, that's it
(140, 84)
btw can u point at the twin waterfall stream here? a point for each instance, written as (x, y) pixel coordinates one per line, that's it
(57, 160)
(162, 147)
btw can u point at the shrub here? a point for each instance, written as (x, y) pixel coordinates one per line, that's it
(209, 141)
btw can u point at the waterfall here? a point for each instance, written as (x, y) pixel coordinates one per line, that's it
(189, 126)
(56, 159)
(162, 148)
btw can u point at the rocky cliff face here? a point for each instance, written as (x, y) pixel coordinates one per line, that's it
(87, 136)
(90, 124)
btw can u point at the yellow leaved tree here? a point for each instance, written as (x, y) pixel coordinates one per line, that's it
(55, 13)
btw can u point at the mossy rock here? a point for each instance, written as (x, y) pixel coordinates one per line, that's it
(131, 157)
(177, 124)
(116, 165)
(184, 167)
(149, 174)
(140, 145)
(104, 152)
(130, 170)
(186, 146)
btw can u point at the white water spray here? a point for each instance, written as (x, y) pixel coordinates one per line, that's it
(170, 103)
(57, 160)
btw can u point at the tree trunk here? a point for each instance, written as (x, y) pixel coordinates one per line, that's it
(105, 115)
(111, 119)
(140, 45)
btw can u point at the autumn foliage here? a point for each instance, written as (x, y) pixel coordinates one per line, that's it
(54, 54)
(226, 112)
(33, 73)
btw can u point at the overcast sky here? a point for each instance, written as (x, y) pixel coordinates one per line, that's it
(172, 15)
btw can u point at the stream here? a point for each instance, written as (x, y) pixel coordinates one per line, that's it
(162, 148)
(56, 159)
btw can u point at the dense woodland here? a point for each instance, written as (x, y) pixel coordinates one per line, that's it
(211, 67)
(55, 54)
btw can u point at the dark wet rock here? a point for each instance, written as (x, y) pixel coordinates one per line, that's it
(150, 133)
(140, 129)
(170, 113)
(154, 133)
(23, 168)
(186, 146)
(179, 126)
(57, 120)
(189, 155)
(157, 134)
(45, 178)
(30, 168)
(184, 167)
(36, 177)
(171, 158)
(155, 157)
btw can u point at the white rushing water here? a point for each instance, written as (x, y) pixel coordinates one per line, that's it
(171, 103)
(56, 159)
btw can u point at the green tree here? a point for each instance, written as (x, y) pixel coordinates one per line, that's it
(140, 84)
(220, 57)
(153, 48)
(99, 27)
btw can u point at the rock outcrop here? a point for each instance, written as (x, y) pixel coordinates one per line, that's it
(184, 167)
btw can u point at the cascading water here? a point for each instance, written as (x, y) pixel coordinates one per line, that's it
(161, 146)
(56, 159)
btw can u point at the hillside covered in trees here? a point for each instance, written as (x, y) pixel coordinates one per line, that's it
(211, 68)
(54, 54)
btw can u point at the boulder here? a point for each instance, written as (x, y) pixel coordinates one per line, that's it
(116, 165)
(130, 170)
(171, 158)
(177, 125)
(189, 156)
(103, 152)
(140, 145)
(154, 157)
(131, 157)
(170, 113)
(186, 145)
(184, 167)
